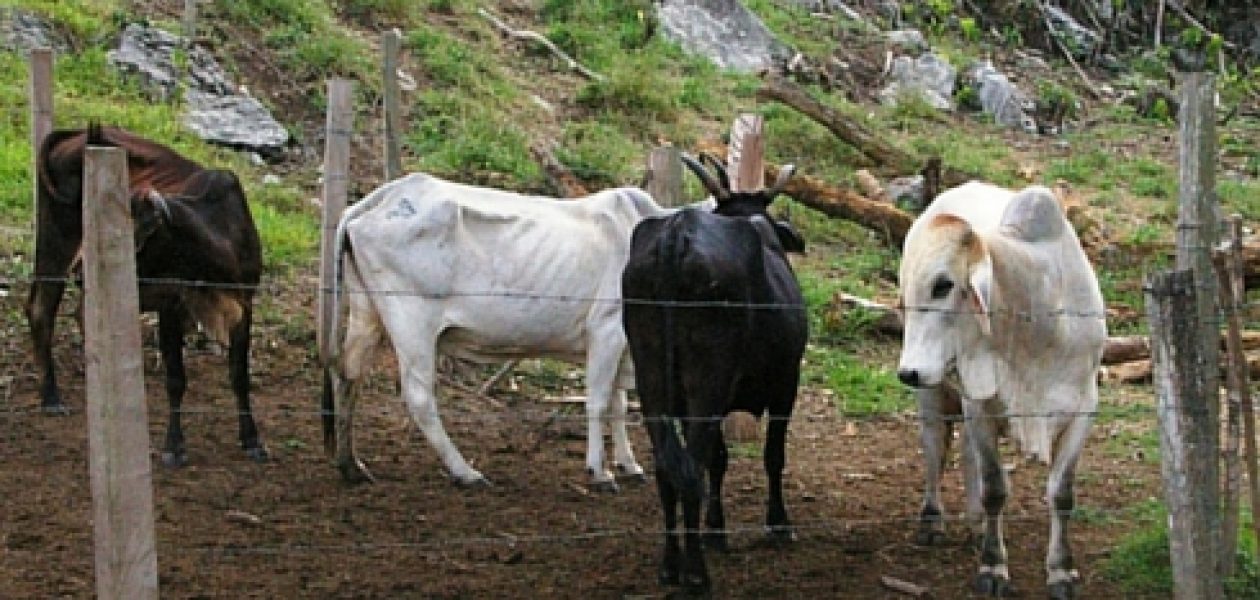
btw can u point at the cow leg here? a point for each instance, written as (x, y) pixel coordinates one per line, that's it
(667, 489)
(41, 314)
(603, 361)
(700, 435)
(419, 383)
(994, 577)
(933, 438)
(363, 335)
(623, 455)
(238, 372)
(714, 517)
(1061, 574)
(171, 345)
(775, 459)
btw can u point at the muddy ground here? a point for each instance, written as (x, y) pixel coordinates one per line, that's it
(852, 488)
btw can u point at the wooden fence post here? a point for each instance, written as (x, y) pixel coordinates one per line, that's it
(390, 42)
(745, 156)
(41, 94)
(118, 421)
(1187, 434)
(1237, 384)
(664, 182)
(189, 21)
(340, 120)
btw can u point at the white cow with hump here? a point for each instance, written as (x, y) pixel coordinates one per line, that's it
(1000, 300)
(438, 267)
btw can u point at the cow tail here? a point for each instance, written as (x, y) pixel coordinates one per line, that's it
(328, 405)
(678, 463)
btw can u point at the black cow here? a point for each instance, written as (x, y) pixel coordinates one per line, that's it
(716, 322)
(192, 225)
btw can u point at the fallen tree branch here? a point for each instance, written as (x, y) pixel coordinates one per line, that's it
(887, 220)
(913, 590)
(863, 139)
(527, 35)
(559, 176)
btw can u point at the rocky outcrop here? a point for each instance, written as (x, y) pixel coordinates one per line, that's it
(724, 31)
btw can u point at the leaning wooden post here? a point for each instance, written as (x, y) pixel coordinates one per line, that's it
(1237, 384)
(1187, 432)
(745, 156)
(41, 94)
(118, 421)
(390, 42)
(1197, 235)
(664, 176)
(340, 120)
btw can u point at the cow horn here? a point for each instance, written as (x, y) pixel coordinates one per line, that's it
(724, 178)
(706, 178)
(158, 200)
(785, 174)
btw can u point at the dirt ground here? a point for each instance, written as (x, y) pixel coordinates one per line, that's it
(852, 489)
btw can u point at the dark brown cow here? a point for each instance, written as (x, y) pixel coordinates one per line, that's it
(192, 225)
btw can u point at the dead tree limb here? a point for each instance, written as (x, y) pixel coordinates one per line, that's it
(890, 222)
(559, 176)
(862, 138)
(526, 35)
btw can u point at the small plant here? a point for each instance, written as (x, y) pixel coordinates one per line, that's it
(970, 31)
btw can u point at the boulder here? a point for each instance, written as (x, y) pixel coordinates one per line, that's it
(1078, 39)
(21, 31)
(724, 31)
(930, 76)
(1001, 98)
(235, 120)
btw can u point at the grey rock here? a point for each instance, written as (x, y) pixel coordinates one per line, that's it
(1001, 98)
(907, 193)
(21, 31)
(235, 121)
(910, 40)
(724, 31)
(217, 110)
(1078, 39)
(930, 76)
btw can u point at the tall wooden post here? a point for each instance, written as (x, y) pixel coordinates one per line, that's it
(41, 94)
(390, 42)
(1232, 298)
(118, 421)
(1197, 234)
(189, 21)
(665, 183)
(745, 157)
(340, 120)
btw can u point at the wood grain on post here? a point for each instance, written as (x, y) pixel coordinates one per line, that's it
(118, 422)
(1236, 268)
(340, 120)
(1237, 383)
(1197, 235)
(41, 94)
(1187, 434)
(390, 42)
(189, 21)
(744, 164)
(665, 176)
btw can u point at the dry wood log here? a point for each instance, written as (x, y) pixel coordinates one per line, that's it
(560, 177)
(1139, 371)
(862, 138)
(913, 590)
(526, 35)
(888, 221)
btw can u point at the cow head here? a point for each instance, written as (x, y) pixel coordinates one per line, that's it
(945, 296)
(149, 213)
(746, 203)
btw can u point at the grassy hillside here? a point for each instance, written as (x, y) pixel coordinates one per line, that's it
(481, 101)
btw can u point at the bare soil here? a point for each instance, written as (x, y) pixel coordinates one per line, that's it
(853, 489)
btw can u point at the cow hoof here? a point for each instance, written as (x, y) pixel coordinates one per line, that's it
(993, 586)
(472, 482)
(604, 487)
(258, 454)
(57, 409)
(780, 535)
(174, 460)
(668, 576)
(1063, 590)
(715, 540)
(355, 473)
(696, 586)
(929, 537)
(633, 474)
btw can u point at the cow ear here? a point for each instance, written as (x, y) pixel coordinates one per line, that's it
(979, 284)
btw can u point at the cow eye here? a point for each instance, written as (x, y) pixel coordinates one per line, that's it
(941, 288)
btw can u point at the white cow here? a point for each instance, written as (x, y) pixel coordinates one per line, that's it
(1000, 300)
(485, 275)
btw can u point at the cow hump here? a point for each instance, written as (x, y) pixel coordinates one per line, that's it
(1034, 215)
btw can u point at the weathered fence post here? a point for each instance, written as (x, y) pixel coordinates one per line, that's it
(390, 42)
(1197, 235)
(664, 176)
(340, 120)
(745, 157)
(189, 21)
(1236, 383)
(118, 421)
(41, 94)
